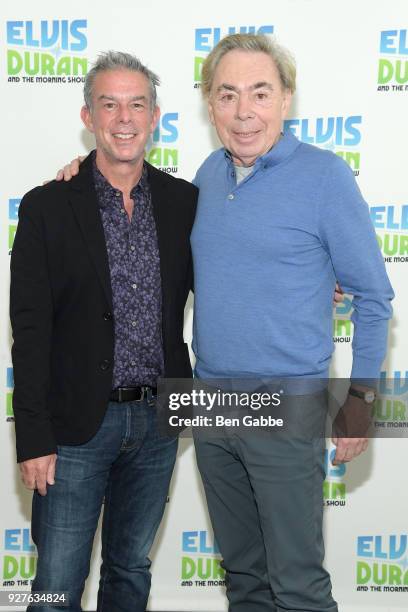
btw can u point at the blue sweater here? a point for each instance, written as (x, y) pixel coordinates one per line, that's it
(267, 253)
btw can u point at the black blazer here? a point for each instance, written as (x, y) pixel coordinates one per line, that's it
(61, 306)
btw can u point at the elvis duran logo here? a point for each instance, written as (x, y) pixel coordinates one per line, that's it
(391, 407)
(391, 225)
(163, 152)
(19, 558)
(201, 560)
(334, 489)
(9, 394)
(393, 63)
(46, 51)
(382, 563)
(342, 135)
(205, 39)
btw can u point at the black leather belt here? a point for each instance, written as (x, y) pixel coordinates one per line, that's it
(132, 394)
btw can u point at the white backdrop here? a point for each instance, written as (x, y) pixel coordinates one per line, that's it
(352, 97)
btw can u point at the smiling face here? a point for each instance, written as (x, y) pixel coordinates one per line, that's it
(121, 117)
(247, 104)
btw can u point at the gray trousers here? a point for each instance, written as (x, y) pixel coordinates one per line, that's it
(265, 499)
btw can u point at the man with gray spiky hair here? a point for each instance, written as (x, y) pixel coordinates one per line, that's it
(100, 273)
(278, 221)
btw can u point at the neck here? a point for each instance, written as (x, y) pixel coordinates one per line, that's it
(121, 175)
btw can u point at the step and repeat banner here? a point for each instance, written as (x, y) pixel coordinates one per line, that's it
(352, 98)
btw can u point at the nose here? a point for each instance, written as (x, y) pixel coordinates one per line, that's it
(244, 107)
(124, 114)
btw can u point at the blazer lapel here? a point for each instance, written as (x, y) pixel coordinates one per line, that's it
(86, 210)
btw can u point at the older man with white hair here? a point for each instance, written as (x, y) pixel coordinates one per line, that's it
(277, 222)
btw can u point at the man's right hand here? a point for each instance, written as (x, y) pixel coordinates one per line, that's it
(70, 170)
(37, 473)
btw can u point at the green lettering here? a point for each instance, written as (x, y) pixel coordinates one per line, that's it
(198, 64)
(28, 572)
(170, 157)
(385, 71)
(187, 568)
(363, 572)
(154, 157)
(400, 66)
(9, 405)
(10, 567)
(14, 62)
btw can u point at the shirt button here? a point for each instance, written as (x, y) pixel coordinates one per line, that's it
(122, 210)
(133, 363)
(231, 196)
(132, 248)
(117, 193)
(104, 365)
(133, 323)
(134, 286)
(108, 316)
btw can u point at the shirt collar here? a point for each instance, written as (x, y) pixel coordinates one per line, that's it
(285, 146)
(103, 185)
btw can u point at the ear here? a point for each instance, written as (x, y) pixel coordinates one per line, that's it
(86, 117)
(211, 111)
(155, 119)
(287, 99)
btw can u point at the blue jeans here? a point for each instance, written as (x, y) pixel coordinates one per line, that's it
(127, 464)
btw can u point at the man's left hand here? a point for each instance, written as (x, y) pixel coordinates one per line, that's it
(350, 429)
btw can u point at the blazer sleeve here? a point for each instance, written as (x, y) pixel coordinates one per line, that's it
(31, 313)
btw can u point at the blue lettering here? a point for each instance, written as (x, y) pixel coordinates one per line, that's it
(189, 541)
(11, 539)
(354, 132)
(266, 29)
(364, 545)
(82, 42)
(27, 546)
(10, 378)
(402, 48)
(394, 553)
(49, 40)
(204, 44)
(291, 125)
(201, 40)
(399, 384)
(387, 42)
(377, 547)
(203, 543)
(167, 124)
(375, 214)
(333, 471)
(14, 203)
(321, 135)
(30, 40)
(344, 308)
(304, 133)
(14, 33)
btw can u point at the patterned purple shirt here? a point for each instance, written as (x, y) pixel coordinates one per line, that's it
(134, 264)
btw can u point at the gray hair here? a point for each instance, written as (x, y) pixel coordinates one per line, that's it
(283, 60)
(117, 60)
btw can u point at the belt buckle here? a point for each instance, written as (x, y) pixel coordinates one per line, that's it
(142, 389)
